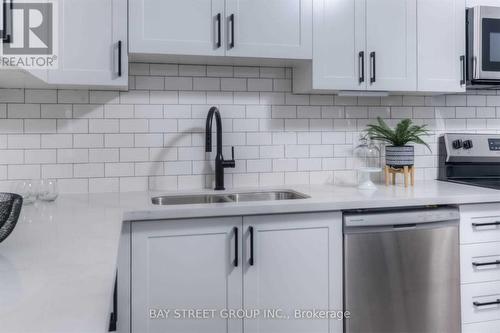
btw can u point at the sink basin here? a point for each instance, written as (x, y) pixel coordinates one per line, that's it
(227, 197)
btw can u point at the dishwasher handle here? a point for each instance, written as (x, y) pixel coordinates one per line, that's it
(397, 217)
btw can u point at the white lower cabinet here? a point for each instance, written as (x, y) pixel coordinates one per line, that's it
(480, 267)
(185, 264)
(274, 264)
(296, 264)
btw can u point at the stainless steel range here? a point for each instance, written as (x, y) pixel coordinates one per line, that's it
(472, 159)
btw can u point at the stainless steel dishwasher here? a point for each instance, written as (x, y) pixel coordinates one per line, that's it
(402, 271)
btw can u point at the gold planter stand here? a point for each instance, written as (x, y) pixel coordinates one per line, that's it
(408, 172)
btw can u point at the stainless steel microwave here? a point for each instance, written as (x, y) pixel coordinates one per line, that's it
(483, 46)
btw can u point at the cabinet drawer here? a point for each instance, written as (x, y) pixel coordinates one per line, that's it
(480, 223)
(480, 262)
(480, 293)
(486, 327)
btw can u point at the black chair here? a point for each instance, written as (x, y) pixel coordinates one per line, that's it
(10, 208)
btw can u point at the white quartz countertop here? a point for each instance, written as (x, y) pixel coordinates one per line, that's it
(57, 268)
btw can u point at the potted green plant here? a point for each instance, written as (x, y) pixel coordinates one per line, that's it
(398, 153)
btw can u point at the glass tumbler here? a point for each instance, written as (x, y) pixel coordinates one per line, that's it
(48, 190)
(27, 189)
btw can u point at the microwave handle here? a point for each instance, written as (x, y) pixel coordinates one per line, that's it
(462, 70)
(474, 67)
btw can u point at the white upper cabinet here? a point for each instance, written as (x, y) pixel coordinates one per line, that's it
(391, 44)
(441, 45)
(188, 27)
(362, 45)
(238, 28)
(269, 28)
(385, 45)
(339, 44)
(92, 38)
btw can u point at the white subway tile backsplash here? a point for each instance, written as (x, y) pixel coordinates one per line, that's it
(23, 171)
(104, 126)
(23, 141)
(118, 140)
(11, 95)
(73, 96)
(40, 156)
(88, 170)
(104, 155)
(192, 70)
(72, 125)
(8, 126)
(40, 96)
(104, 97)
(161, 69)
(134, 97)
(88, 111)
(260, 84)
(134, 125)
(118, 111)
(246, 72)
(164, 97)
(153, 136)
(88, 140)
(57, 171)
(119, 169)
(192, 97)
(57, 111)
(149, 82)
(72, 156)
(40, 125)
(23, 111)
(178, 83)
(56, 140)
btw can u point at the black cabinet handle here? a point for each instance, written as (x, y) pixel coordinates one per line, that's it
(236, 254)
(231, 22)
(6, 8)
(114, 315)
(218, 20)
(119, 58)
(251, 259)
(491, 263)
(478, 304)
(475, 225)
(373, 61)
(361, 67)
(463, 69)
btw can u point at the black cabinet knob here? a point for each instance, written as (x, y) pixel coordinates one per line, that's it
(468, 144)
(457, 144)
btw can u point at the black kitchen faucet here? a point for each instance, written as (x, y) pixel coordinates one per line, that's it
(220, 163)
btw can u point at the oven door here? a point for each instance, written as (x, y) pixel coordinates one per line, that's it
(487, 48)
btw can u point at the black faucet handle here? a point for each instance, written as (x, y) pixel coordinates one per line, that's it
(231, 163)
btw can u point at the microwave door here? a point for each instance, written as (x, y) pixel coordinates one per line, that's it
(489, 57)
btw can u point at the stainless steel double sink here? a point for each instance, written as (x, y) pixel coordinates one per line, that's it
(168, 200)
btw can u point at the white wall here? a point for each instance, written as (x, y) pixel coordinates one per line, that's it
(153, 135)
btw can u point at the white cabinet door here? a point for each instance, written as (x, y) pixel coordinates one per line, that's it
(186, 264)
(339, 45)
(297, 265)
(269, 28)
(441, 45)
(185, 27)
(391, 44)
(90, 33)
